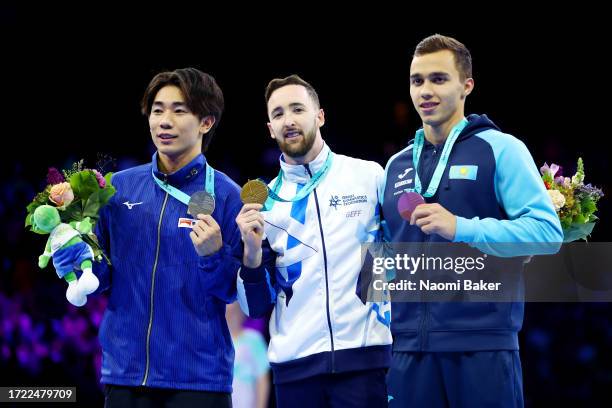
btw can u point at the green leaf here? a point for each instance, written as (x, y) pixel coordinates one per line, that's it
(106, 194)
(40, 199)
(580, 219)
(588, 206)
(74, 212)
(108, 176)
(96, 201)
(547, 177)
(28, 220)
(92, 205)
(566, 222)
(84, 183)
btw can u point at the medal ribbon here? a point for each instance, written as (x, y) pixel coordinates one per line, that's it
(182, 197)
(417, 148)
(307, 189)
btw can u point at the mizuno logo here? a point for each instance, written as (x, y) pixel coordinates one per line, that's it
(130, 205)
(408, 170)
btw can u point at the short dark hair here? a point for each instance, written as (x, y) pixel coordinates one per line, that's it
(437, 42)
(277, 83)
(202, 95)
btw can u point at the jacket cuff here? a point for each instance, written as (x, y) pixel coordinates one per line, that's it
(253, 275)
(209, 263)
(465, 230)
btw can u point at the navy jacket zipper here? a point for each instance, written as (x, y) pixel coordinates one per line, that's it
(425, 305)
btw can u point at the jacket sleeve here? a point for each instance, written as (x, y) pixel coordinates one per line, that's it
(256, 287)
(221, 268)
(532, 221)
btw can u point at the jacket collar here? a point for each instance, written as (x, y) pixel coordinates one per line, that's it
(299, 173)
(182, 176)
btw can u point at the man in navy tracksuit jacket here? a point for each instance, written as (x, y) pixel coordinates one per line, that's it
(164, 336)
(461, 354)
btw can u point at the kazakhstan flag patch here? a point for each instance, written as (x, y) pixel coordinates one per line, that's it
(463, 172)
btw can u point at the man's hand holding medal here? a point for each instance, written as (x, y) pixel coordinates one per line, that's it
(251, 222)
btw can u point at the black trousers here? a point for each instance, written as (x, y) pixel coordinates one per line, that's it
(116, 396)
(355, 389)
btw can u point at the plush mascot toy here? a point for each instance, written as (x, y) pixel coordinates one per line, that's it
(70, 253)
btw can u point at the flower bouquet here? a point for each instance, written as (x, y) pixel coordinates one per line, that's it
(574, 201)
(77, 194)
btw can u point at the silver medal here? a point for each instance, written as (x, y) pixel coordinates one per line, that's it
(201, 202)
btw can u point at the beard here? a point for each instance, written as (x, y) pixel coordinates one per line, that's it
(297, 150)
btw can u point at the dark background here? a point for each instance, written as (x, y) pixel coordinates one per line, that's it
(72, 83)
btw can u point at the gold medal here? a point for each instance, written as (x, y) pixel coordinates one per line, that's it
(254, 192)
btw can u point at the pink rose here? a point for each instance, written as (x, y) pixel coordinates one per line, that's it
(100, 178)
(61, 195)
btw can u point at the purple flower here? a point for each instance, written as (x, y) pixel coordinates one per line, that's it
(100, 178)
(54, 176)
(552, 170)
(593, 192)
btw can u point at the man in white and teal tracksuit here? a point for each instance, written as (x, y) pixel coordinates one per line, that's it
(328, 348)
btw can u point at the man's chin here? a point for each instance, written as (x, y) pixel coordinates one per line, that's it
(432, 121)
(167, 150)
(171, 151)
(293, 150)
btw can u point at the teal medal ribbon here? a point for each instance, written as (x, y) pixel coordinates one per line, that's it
(182, 197)
(304, 191)
(417, 148)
